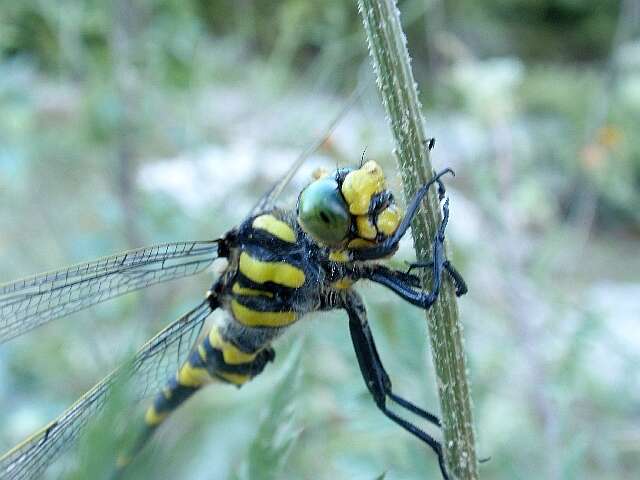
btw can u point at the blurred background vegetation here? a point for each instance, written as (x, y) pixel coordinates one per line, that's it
(127, 123)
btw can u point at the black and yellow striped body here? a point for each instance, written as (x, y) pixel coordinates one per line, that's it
(276, 273)
(280, 266)
(271, 281)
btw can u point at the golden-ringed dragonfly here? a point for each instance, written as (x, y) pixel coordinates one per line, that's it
(281, 265)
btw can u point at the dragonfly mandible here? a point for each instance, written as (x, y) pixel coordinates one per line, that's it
(281, 265)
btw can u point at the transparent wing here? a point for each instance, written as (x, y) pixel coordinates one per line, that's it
(152, 366)
(268, 201)
(32, 301)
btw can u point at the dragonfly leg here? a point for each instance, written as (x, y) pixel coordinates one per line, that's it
(378, 382)
(390, 245)
(458, 281)
(406, 285)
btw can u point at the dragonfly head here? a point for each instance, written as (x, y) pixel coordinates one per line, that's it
(349, 208)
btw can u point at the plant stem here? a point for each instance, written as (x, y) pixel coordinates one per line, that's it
(388, 50)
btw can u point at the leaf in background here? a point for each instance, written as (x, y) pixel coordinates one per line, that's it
(109, 434)
(278, 431)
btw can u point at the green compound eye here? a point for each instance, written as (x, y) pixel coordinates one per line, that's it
(322, 212)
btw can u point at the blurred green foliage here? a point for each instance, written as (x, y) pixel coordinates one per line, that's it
(128, 123)
(538, 30)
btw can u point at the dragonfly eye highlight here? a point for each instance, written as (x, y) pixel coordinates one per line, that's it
(323, 213)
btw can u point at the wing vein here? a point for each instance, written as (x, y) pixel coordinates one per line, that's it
(150, 368)
(31, 302)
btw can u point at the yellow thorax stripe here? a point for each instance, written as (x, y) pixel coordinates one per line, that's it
(278, 272)
(250, 292)
(231, 354)
(256, 318)
(343, 283)
(339, 256)
(275, 227)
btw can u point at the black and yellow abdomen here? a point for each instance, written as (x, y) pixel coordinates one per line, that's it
(214, 358)
(267, 288)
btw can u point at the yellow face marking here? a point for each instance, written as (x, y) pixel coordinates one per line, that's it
(231, 354)
(360, 243)
(251, 292)
(190, 376)
(360, 185)
(255, 318)
(339, 256)
(277, 272)
(365, 227)
(235, 378)
(275, 227)
(342, 284)
(153, 418)
(389, 220)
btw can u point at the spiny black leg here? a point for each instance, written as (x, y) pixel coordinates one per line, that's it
(403, 284)
(439, 262)
(422, 435)
(406, 286)
(415, 265)
(438, 256)
(386, 381)
(445, 220)
(415, 409)
(430, 143)
(458, 281)
(439, 259)
(441, 190)
(373, 371)
(413, 206)
(377, 380)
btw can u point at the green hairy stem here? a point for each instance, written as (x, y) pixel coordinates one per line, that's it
(388, 50)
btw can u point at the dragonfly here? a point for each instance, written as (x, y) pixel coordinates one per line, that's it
(280, 265)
